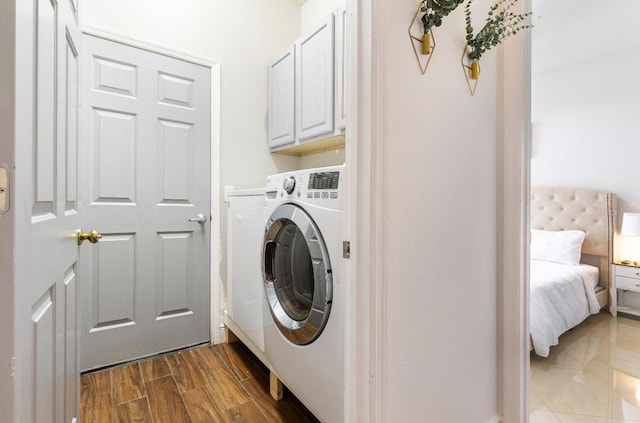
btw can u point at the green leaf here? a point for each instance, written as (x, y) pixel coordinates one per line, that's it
(501, 22)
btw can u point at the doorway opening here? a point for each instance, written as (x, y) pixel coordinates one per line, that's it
(583, 108)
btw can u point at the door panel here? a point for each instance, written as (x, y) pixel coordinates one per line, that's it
(43, 317)
(71, 329)
(45, 137)
(73, 7)
(47, 374)
(174, 279)
(149, 132)
(71, 123)
(115, 77)
(173, 90)
(114, 139)
(176, 157)
(114, 284)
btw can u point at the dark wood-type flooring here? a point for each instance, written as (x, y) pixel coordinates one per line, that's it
(221, 383)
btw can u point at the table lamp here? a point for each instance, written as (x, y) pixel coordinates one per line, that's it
(630, 224)
(631, 228)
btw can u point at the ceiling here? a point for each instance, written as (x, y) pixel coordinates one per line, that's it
(571, 31)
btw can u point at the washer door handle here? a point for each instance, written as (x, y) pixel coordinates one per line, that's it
(269, 258)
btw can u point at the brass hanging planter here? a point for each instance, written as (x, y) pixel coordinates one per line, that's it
(423, 43)
(471, 70)
(475, 69)
(426, 43)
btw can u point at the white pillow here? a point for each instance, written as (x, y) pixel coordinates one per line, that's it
(562, 247)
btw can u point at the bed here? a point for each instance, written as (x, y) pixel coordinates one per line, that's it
(563, 295)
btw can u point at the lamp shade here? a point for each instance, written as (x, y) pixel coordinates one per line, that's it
(630, 224)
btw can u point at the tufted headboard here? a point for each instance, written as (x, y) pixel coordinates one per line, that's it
(557, 209)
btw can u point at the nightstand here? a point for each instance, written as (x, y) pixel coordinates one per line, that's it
(624, 278)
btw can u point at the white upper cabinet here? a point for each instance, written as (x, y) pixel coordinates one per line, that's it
(315, 82)
(282, 99)
(341, 69)
(307, 107)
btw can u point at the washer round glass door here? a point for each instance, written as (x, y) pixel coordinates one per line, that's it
(297, 274)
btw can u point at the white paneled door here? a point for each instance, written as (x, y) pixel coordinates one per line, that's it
(146, 185)
(46, 366)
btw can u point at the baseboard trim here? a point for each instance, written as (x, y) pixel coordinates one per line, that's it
(495, 419)
(222, 334)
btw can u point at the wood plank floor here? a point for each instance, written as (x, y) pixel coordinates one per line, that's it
(221, 383)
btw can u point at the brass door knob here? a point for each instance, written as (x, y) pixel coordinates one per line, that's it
(92, 236)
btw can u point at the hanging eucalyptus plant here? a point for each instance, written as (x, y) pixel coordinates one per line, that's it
(435, 10)
(501, 23)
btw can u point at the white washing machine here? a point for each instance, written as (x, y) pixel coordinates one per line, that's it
(304, 290)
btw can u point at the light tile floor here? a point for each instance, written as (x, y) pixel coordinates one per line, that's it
(593, 375)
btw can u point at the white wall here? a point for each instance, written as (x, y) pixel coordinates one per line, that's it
(586, 128)
(314, 11)
(327, 158)
(440, 266)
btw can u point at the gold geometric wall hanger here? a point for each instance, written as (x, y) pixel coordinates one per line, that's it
(424, 44)
(471, 70)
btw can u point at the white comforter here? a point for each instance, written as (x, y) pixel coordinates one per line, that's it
(561, 296)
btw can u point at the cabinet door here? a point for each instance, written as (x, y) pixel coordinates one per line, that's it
(314, 82)
(341, 69)
(282, 99)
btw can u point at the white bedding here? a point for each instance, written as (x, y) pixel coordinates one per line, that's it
(561, 296)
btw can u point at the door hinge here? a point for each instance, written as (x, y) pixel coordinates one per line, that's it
(346, 249)
(4, 190)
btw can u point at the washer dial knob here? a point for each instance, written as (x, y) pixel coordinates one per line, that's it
(289, 184)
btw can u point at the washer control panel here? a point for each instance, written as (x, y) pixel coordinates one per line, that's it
(324, 180)
(321, 186)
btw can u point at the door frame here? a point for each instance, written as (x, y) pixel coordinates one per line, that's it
(7, 224)
(216, 332)
(514, 186)
(360, 328)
